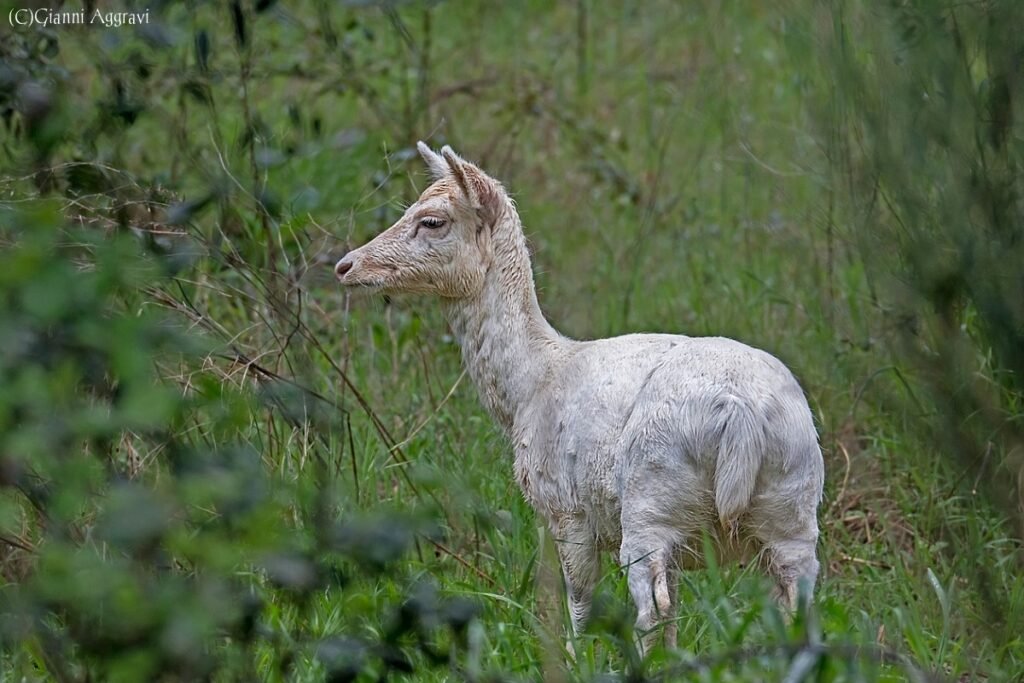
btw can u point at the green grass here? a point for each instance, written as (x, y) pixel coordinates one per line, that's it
(670, 181)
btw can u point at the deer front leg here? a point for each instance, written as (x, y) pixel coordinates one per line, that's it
(577, 551)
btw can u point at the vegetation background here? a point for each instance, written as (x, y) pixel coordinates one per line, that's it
(215, 465)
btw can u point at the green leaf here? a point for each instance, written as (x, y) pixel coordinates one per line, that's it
(202, 45)
(238, 22)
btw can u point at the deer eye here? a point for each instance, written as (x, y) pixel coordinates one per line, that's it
(431, 222)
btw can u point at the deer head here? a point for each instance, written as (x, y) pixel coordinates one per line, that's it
(442, 244)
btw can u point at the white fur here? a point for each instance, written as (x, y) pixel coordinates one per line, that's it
(642, 443)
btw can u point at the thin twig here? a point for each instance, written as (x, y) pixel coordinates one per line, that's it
(461, 560)
(860, 560)
(17, 543)
(846, 476)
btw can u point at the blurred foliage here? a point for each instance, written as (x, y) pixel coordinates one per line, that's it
(144, 536)
(924, 123)
(933, 162)
(138, 501)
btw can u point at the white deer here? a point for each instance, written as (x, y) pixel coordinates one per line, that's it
(645, 443)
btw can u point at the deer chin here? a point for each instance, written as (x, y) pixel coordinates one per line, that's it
(366, 287)
(370, 283)
(386, 283)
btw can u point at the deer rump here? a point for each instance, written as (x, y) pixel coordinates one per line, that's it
(693, 435)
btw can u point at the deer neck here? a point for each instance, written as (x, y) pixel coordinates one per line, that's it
(508, 347)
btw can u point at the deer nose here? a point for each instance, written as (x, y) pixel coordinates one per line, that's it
(342, 268)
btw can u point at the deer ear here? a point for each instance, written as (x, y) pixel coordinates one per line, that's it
(459, 170)
(435, 164)
(481, 191)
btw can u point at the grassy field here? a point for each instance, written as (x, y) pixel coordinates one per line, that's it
(672, 176)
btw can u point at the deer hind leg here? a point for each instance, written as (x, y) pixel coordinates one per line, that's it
(791, 561)
(648, 559)
(789, 535)
(672, 623)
